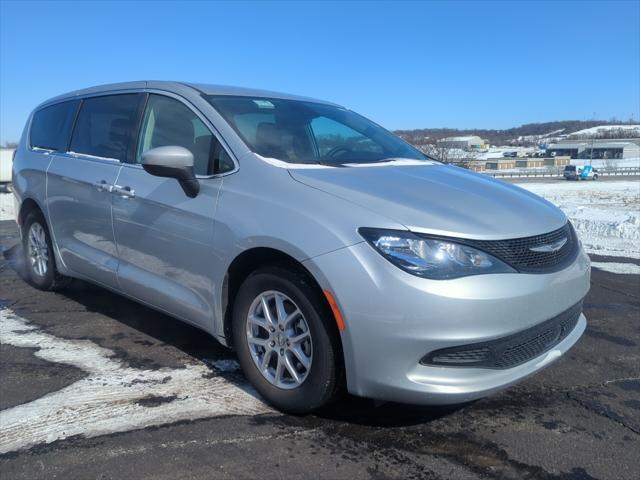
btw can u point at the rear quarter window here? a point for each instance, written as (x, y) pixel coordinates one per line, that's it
(51, 126)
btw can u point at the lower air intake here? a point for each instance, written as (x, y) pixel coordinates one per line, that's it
(511, 351)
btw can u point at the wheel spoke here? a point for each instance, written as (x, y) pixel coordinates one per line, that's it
(280, 311)
(260, 322)
(266, 312)
(279, 370)
(301, 356)
(261, 342)
(299, 338)
(292, 316)
(291, 369)
(265, 360)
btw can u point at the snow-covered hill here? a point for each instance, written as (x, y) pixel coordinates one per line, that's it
(603, 131)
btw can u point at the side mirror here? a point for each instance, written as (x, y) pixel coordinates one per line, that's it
(172, 162)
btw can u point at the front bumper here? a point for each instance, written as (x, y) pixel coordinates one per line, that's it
(393, 319)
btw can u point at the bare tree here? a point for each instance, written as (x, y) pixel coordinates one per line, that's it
(454, 156)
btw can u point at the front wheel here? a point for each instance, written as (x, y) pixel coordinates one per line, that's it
(286, 342)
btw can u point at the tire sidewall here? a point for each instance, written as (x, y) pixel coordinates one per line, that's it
(322, 380)
(47, 281)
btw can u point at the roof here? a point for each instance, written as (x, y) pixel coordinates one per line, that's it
(467, 138)
(207, 89)
(210, 89)
(596, 143)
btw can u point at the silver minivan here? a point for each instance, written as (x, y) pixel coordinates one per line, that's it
(326, 251)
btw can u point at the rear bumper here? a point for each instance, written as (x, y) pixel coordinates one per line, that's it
(393, 319)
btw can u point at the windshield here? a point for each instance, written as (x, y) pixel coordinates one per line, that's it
(306, 132)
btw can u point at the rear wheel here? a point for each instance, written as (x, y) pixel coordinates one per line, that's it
(39, 260)
(286, 344)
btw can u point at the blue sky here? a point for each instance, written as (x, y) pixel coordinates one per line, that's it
(405, 65)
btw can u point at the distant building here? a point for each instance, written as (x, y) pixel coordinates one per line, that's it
(6, 160)
(471, 142)
(596, 148)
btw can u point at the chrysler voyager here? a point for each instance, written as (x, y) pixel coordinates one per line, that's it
(326, 251)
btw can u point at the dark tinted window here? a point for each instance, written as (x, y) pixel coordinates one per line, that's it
(51, 126)
(170, 122)
(104, 126)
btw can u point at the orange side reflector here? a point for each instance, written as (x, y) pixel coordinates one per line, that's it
(336, 311)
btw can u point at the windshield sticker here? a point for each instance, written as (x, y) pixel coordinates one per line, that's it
(264, 104)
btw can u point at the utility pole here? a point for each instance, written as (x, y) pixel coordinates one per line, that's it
(592, 138)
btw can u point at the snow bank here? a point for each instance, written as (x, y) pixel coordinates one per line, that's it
(605, 214)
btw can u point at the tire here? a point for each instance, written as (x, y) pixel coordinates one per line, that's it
(42, 274)
(322, 380)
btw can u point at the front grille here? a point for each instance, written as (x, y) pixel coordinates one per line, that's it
(518, 252)
(511, 351)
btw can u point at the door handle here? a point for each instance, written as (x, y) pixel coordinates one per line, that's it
(124, 192)
(103, 186)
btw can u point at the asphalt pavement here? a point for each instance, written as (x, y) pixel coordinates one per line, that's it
(96, 386)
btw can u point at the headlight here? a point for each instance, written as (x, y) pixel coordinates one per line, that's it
(432, 257)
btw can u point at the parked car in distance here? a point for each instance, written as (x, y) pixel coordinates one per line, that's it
(586, 172)
(326, 251)
(512, 154)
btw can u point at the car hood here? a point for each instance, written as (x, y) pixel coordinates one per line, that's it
(439, 199)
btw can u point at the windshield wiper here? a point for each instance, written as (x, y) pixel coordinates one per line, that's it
(331, 164)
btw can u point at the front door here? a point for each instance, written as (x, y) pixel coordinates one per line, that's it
(79, 184)
(164, 238)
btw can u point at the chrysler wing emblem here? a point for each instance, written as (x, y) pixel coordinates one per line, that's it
(550, 247)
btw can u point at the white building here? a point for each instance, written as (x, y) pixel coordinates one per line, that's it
(471, 142)
(6, 160)
(597, 148)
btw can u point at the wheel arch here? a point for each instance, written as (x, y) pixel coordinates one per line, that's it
(251, 260)
(27, 206)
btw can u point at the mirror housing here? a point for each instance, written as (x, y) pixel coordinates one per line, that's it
(172, 162)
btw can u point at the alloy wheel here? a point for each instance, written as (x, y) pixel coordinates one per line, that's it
(279, 339)
(38, 249)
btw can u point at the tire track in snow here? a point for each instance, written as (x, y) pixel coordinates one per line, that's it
(112, 397)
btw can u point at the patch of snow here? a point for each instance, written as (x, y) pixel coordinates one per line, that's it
(6, 206)
(632, 130)
(620, 268)
(606, 215)
(112, 397)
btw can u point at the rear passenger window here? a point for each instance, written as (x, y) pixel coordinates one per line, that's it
(105, 125)
(170, 122)
(51, 126)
